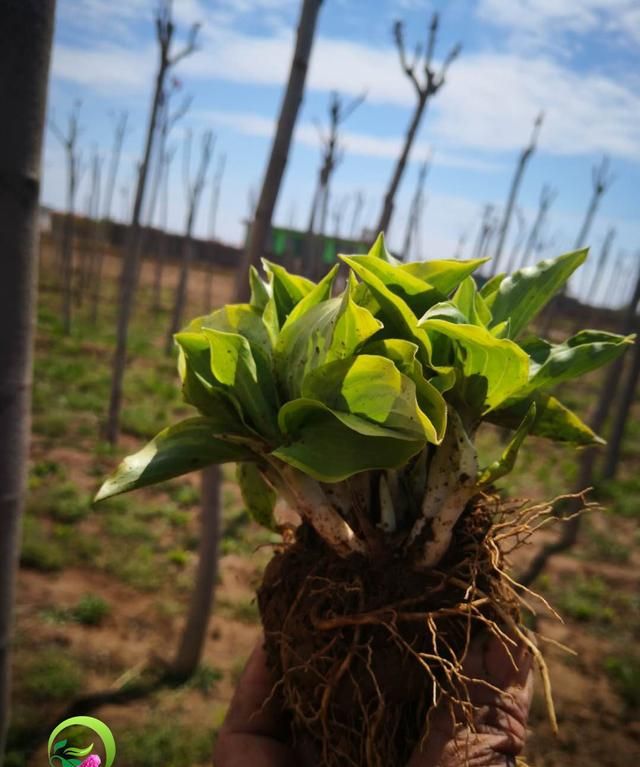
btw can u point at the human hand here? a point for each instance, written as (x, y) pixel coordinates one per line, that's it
(256, 734)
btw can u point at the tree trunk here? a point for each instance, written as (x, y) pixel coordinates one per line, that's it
(259, 231)
(201, 603)
(129, 271)
(181, 292)
(389, 198)
(612, 458)
(25, 45)
(508, 211)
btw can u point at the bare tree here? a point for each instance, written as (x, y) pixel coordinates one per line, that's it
(518, 241)
(167, 60)
(357, 213)
(213, 217)
(258, 234)
(114, 163)
(194, 631)
(163, 224)
(484, 233)
(92, 257)
(332, 155)
(523, 159)
(600, 266)
(602, 179)
(547, 196)
(417, 203)
(425, 87)
(194, 189)
(26, 32)
(69, 141)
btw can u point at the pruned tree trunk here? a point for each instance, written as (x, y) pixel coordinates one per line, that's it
(547, 196)
(194, 193)
(194, 632)
(259, 232)
(207, 295)
(525, 155)
(413, 220)
(26, 31)
(131, 257)
(621, 416)
(424, 91)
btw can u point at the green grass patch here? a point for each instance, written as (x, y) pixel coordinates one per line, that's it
(205, 678)
(624, 672)
(51, 675)
(163, 742)
(244, 610)
(39, 551)
(586, 600)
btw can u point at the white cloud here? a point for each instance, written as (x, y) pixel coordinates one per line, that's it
(110, 68)
(543, 21)
(354, 143)
(491, 100)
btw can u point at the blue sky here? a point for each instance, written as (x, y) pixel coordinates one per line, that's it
(578, 60)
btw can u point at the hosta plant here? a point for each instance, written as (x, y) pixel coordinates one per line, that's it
(359, 410)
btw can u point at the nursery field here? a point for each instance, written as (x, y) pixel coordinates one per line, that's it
(102, 591)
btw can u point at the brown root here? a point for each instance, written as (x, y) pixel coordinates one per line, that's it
(364, 652)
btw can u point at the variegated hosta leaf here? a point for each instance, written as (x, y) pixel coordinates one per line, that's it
(553, 420)
(396, 317)
(187, 446)
(428, 392)
(287, 289)
(371, 387)
(521, 295)
(445, 275)
(331, 446)
(586, 351)
(331, 330)
(260, 290)
(471, 303)
(501, 365)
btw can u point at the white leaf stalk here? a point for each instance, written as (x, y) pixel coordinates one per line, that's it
(306, 495)
(451, 483)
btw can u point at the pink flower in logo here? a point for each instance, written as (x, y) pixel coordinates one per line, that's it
(91, 761)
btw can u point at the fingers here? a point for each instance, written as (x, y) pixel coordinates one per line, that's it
(501, 692)
(255, 726)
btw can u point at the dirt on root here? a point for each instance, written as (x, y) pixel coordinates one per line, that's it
(362, 650)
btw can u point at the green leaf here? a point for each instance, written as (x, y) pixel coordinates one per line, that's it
(524, 293)
(471, 303)
(553, 420)
(428, 392)
(79, 751)
(371, 387)
(260, 290)
(248, 375)
(501, 363)
(507, 460)
(59, 745)
(418, 294)
(580, 354)
(490, 288)
(288, 289)
(258, 495)
(187, 446)
(379, 250)
(328, 331)
(399, 321)
(201, 389)
(320, 292)
(243, 319)
(332, 446)
(444, 275)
